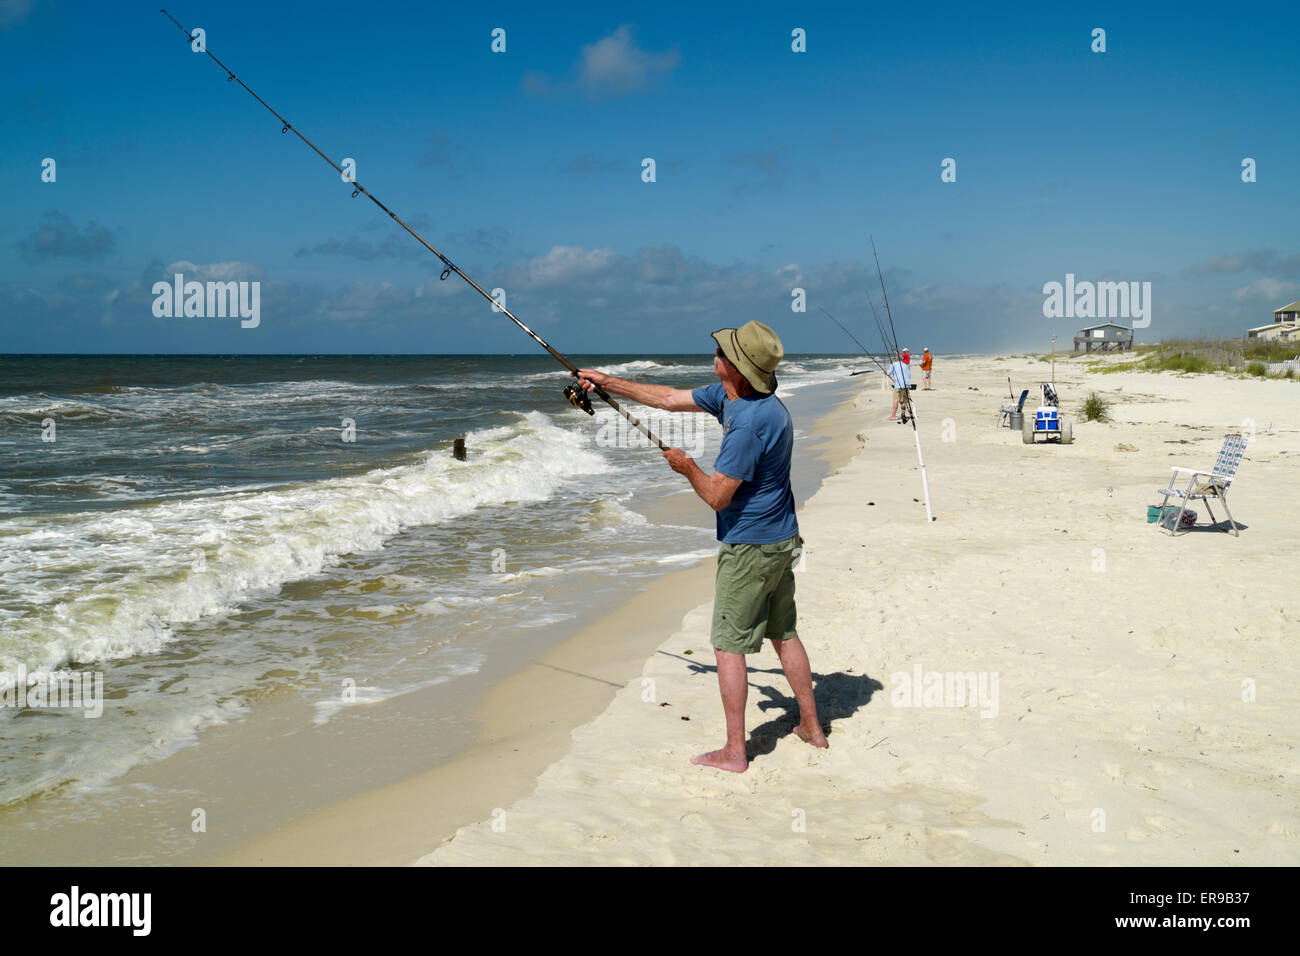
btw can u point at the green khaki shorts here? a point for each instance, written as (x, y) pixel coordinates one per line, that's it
(754, 598)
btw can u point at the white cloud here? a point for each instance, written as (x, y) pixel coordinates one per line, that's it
(612, 66)
(1266, 288)
(563, 263)
(615, 65)
(214, 271)
(790, 273)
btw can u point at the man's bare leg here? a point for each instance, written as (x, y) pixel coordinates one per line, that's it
(733, 680)
(794, 661)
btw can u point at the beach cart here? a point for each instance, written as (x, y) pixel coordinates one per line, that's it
(1047, 422)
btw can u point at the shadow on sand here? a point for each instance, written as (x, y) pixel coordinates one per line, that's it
(1220, 527)
(836, 695)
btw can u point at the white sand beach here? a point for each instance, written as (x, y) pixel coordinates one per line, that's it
(1139, 706)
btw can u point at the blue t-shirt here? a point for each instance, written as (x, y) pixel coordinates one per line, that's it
(757, 442)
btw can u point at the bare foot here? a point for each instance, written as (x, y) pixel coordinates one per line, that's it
(723, 760)
(816, 738)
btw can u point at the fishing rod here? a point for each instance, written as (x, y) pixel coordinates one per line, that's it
(885, 295)
(575, 394)
(884, 339)
(873, 358)
(925, 481)
(898, 358)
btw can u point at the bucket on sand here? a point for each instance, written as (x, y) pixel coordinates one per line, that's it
(1017, 421)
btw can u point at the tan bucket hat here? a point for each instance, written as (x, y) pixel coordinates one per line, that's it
(755, 350)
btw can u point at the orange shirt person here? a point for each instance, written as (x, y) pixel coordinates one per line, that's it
(927, 360)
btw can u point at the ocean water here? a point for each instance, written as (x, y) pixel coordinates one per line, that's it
(208, 532)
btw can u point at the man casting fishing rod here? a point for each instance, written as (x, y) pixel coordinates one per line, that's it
(750, 491)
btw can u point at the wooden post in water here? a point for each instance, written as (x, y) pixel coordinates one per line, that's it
(458, 449)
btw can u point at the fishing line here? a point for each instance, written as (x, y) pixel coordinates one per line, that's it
(575, 394)
(885, 294)
(884, 339)
(875, 361)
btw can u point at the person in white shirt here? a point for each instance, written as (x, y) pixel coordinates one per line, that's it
(900, 374)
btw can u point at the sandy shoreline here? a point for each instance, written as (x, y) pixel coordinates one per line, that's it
(1142, 710)
(524, 721)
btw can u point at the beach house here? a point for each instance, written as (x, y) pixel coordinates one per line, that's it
(1109, 336)
(1285, 325)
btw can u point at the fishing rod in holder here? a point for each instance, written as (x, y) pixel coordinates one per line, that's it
(898, 358)
(576, 395)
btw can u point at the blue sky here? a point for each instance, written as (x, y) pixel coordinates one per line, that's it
(524, 168)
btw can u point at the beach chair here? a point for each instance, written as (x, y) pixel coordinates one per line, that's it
(1004, 416)
(1204, 485)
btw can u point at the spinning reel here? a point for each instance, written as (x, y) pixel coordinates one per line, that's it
(579, 398)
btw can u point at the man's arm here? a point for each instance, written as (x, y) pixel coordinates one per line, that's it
(656, 396)
(716, 489)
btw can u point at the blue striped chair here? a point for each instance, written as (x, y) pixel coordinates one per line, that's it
(1205, 485)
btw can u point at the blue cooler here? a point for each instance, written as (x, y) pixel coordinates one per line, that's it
(1045, 420)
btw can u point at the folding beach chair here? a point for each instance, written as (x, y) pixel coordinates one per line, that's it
(1004, 416)
(1205, 485)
